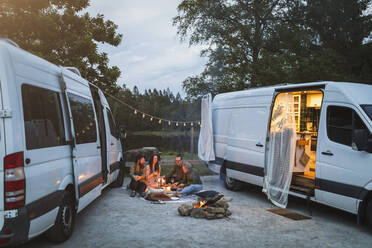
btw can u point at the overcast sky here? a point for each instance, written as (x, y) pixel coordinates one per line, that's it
(151, 54)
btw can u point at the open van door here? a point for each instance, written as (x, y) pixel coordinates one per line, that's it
(280, 148)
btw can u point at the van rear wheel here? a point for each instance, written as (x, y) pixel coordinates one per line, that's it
(232, 184)
(65, 222)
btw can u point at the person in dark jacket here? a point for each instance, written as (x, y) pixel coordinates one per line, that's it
(139, 176)
(192, 181)
(177, 172)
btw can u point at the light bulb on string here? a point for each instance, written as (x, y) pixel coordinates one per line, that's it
(184, 124)
(177, 124)
(159, 121)
(192, 124)
(169, 123)
(151, 118)
(135, 111)
(143, 116)
(199, 123)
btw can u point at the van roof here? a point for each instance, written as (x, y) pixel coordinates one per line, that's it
(356, 92)
(28, 58)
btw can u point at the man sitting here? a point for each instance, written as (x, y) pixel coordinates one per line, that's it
(177, 171)
(185, 176)
(192, 181)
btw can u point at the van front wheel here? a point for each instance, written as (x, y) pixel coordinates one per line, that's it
(65, 221)
(232, 184)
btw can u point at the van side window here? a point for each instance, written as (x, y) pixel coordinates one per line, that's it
(340, 124)
(43, 119)
(83, 118)
(341, 121)
(113, 128)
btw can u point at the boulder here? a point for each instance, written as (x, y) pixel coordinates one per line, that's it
(185, 210)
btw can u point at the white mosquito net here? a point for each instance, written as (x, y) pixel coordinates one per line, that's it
(205, 144)
(281, 151)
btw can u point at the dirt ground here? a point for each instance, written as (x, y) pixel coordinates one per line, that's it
(116, 220)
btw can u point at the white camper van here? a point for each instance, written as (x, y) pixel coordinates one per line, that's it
(59, 146)
(310, 140)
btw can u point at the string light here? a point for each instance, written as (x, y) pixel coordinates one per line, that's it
(135, 111)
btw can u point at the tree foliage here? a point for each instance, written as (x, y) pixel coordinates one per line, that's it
(59, 32)
(262, 42)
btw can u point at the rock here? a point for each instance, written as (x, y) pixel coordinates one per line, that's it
(222, 204)
(198, 213)
(219, 216)
(185, 210)
(217, 210)
(210, 216)
(228, 213)
(227, 199)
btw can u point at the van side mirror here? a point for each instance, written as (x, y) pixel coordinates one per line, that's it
(360, 140)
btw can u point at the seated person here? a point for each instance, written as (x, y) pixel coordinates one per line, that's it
(154, 169)
(139, 175)
(192, 181)
(177, 170)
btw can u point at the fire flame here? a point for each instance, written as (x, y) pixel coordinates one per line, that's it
(201, 204)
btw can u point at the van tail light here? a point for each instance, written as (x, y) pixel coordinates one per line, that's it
(14, 181)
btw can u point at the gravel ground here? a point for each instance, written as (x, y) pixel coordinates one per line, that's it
(116, 220)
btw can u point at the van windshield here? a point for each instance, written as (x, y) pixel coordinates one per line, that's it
(368, 110)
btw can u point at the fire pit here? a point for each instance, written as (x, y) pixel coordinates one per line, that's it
(215, 207)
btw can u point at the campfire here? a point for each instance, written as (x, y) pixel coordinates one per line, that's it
(200, 204)
(215, 207)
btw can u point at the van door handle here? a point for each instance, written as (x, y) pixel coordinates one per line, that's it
(259, 144)
(112, 144)
(98, 147)
(327, 153)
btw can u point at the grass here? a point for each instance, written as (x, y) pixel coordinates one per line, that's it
(198, 167)
(171, 155)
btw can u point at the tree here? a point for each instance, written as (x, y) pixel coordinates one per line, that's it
(236, 32)
(262, 42)
(59, 32)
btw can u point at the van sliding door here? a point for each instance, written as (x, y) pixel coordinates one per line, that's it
(102, 130)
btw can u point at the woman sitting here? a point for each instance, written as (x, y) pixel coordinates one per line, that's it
(154, 170)
(139, 174)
